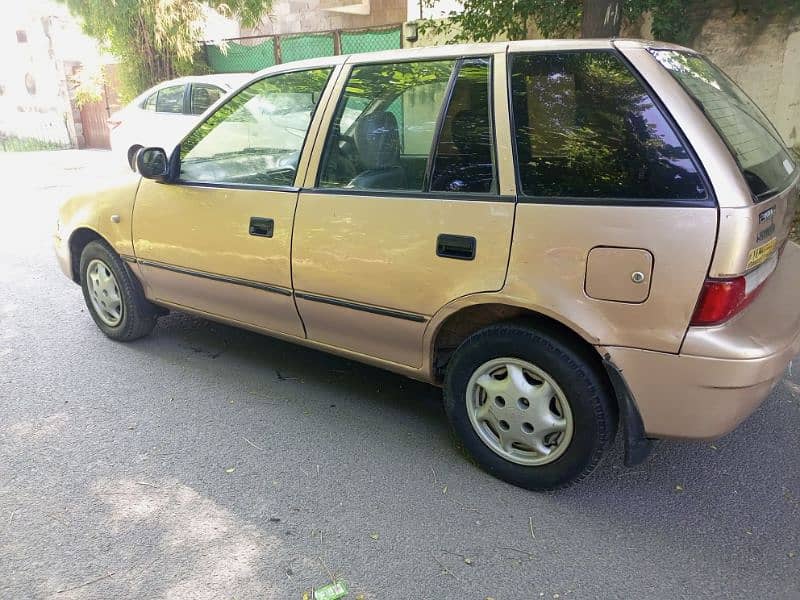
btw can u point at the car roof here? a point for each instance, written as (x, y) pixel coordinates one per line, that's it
(459, 50)
(227, 80)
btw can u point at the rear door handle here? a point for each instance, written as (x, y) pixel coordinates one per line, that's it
(460, 247)
(262, 227)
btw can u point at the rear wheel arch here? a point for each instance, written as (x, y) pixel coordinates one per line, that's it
(461, 324)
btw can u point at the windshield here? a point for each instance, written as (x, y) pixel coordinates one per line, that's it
(757, 147)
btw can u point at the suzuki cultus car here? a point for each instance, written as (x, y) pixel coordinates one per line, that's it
(570, 237)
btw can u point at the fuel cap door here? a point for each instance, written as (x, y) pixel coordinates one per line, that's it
(619, 274)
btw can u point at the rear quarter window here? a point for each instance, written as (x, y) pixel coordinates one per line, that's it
(586, 128)
(757, 147)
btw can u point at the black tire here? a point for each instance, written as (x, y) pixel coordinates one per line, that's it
(139, 316)
(586, 388)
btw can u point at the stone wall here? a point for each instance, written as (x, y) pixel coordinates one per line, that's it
(763, 57)
(308, 16)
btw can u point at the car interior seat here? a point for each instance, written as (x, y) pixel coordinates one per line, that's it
(377, 141)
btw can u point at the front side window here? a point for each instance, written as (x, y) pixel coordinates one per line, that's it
(751, 138)
(203, 96)
(170, 99)
(587, 129)
(256, 137)
(383, 130)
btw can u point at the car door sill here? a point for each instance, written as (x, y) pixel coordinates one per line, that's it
(275, 289)
(416, 373)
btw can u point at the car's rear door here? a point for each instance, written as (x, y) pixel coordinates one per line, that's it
(218, 239)
(405, 211)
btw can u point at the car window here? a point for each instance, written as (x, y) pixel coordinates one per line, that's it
(765, 163)
(256, 136)
(384, 126)
(170, 99)
(150, 103)
(464, 158)
(203, 96)
(586, 128)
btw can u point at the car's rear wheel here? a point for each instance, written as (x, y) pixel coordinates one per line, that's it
(113, 295)
(530, 408)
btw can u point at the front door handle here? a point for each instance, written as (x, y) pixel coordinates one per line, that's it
(460, 247)
(262, 227)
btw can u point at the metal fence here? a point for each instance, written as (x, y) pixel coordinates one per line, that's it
(258, 52)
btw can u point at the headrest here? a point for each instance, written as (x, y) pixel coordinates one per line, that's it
(378, 140)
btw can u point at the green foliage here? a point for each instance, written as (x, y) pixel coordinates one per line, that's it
(376, 81)
(484, 20)
(88, 82)
(156, 39)
(26, 144)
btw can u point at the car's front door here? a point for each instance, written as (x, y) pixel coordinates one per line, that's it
(405, 213)
(218, 239)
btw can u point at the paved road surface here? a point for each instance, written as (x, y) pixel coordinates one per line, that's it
(207, 462)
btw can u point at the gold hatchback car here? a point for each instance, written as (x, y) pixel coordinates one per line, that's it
(567, 236)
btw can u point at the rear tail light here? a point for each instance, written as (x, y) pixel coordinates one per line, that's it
(721, 299)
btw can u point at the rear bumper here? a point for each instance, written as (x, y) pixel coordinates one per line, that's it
(723, 373)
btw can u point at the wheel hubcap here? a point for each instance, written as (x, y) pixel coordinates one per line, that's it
(519, 411)
(104, 292)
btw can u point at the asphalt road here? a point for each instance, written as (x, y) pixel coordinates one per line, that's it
(208, 462)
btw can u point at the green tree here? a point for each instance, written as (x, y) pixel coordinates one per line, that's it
(484, 20)
(156, 39)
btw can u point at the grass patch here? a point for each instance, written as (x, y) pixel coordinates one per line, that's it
(13, 143)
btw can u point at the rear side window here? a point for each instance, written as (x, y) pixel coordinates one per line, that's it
(753, 141)
(586, 128)
(203, 96)
(383, 131)
(464, 158)
(170, 99)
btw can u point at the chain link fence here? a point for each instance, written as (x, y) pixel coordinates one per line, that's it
(258, 52)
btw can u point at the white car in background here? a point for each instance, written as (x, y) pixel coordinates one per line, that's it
(162, 115)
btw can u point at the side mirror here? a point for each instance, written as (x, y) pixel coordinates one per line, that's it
(152, 163)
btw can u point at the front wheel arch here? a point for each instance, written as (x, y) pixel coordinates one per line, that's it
(79, 239)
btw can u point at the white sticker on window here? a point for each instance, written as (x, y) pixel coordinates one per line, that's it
(787, 164)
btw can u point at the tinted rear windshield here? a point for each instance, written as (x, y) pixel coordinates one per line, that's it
(757, 147)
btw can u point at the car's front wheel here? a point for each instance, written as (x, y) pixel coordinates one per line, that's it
(530, 408)
(113, 295)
